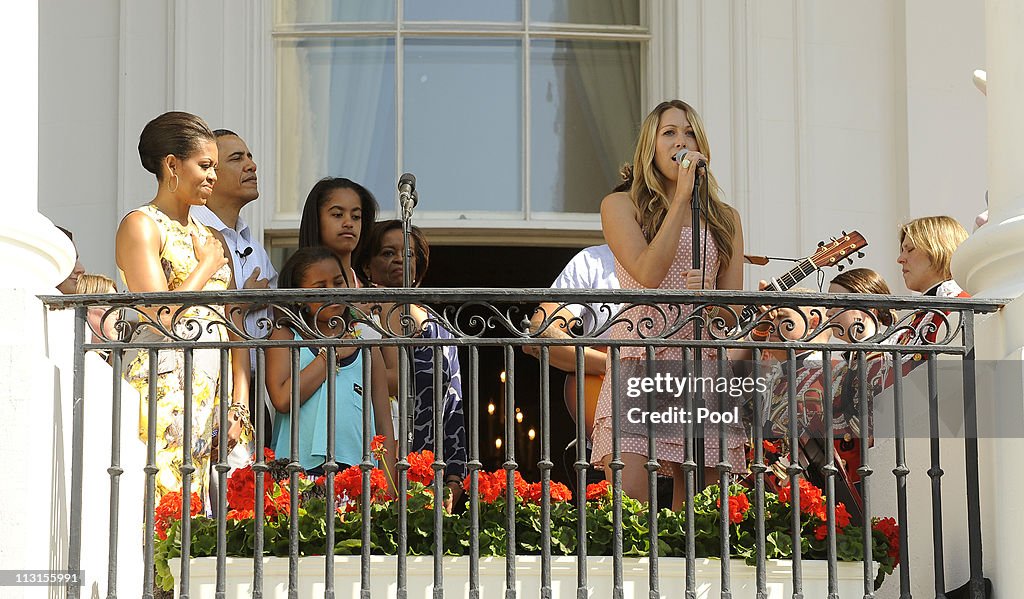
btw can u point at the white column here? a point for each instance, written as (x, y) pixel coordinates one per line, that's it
(35, 257)
(988, 264)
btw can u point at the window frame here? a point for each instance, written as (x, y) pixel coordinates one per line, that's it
(659, 51)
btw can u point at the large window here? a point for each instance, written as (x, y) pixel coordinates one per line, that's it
(507, 111)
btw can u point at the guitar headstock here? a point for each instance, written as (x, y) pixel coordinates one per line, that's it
(833, 252)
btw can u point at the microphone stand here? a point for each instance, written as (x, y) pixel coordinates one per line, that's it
(407, 201)
(697, 262)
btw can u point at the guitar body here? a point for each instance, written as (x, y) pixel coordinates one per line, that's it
(591, 391)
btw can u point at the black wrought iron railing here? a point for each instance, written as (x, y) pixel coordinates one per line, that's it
(651, 333)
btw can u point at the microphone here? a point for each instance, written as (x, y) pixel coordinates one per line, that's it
(701, 163)
(407, 195)
(244, 254)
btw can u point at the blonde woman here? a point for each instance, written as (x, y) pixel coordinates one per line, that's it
(648, 227)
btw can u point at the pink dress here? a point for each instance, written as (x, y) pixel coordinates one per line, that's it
(647, 321)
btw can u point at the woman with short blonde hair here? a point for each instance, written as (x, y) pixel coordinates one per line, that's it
(926, 248)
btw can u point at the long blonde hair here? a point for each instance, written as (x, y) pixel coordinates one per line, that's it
(648, 185)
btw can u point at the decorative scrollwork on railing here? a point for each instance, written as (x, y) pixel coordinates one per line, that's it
(470, 317)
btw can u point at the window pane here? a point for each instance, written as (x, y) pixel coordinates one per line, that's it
(586, 12)
(331, 11)
(463, 123)
(336, 116)
(584, 111)
(463, 10)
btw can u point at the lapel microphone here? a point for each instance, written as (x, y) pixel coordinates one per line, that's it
(244, 254)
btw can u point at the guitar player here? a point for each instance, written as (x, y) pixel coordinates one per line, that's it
(591, 268)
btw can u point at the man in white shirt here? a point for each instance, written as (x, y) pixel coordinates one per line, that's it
(591, 268)
(237, 186)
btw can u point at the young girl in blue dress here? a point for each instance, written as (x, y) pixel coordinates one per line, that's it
(320, 268)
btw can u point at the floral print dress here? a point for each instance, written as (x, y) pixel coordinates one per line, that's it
(177, 260)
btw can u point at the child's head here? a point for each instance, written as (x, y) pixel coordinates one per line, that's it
(88, 283)
(926, 248)
(857, 325)
(337, 214)
(314, 268)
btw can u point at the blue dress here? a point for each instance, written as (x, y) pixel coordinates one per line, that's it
(348, 417)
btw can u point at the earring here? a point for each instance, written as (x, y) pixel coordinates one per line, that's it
(175, 175)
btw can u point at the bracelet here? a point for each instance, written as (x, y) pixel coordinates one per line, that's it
(241, 409)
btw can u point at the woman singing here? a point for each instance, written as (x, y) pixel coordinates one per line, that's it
(648, 230)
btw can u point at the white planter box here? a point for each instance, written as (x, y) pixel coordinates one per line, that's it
(420, 579)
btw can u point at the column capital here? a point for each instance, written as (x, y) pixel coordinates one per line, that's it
(36, 255)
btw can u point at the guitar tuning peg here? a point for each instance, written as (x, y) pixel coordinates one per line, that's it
(821, 243)
(860, 254)
(840, 267)
(850, 259)
(844, 232)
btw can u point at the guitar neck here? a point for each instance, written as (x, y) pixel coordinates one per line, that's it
(793, 276)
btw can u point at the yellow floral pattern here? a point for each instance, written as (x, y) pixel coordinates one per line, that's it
(177, 259)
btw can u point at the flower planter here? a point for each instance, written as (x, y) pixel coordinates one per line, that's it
(420, 579)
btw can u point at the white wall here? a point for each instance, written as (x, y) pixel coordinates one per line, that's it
(832, 115)
(78, 123)
(108, 67)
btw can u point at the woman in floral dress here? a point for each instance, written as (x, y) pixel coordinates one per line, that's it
(159, 247)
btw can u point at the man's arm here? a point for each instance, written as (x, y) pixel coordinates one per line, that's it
(563, 357)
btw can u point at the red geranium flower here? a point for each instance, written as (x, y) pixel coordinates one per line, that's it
(519, 483)
(891, 530)
(378, 486)
(169, 510)
(560, 493)
(842, 517)
(598, 491)
(377, 447)
(349, 482)
(739, 505)
(487, 488)
(241, 489)
(421, 467)
(240, 514)
(280, 504)
(811, 500)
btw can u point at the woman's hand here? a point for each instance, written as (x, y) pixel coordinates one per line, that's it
(686, 174)
(210, 254)
(452, 497)
(234, 429)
